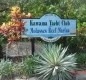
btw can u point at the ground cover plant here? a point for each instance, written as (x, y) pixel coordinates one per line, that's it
(27, 66)
(6, 69)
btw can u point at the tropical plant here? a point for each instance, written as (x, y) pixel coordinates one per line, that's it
(26, 67)
(12, 29)
(81, 60)
(54, 64)
(6, 68)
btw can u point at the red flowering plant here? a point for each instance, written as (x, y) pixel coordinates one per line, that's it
(12, 29)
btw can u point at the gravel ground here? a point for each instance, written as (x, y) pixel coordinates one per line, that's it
(78, 77)
(33, 78)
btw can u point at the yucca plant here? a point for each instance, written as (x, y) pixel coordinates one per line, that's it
(54, 64)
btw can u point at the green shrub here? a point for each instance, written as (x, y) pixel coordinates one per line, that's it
(6, 68)
(26, 67)
(54, 64)
(81, 60)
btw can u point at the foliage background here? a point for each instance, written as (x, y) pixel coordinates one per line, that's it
(74, 9)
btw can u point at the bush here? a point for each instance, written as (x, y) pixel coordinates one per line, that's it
(54, 64)
(81, 60)
(6, 68)
(26, 67)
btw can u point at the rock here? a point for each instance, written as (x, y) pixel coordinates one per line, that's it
(33, 78)
(81, 77)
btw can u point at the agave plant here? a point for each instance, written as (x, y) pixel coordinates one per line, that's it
(54, 64)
